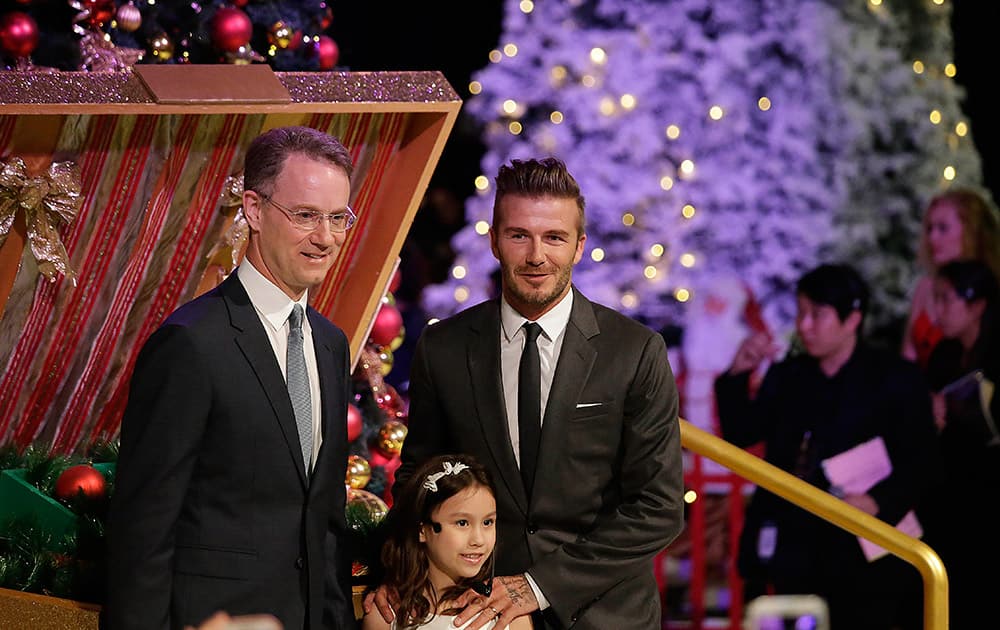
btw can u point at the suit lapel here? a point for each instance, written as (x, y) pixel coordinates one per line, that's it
(256, 347)
(487, 393)
(576, 359)
(329, 394)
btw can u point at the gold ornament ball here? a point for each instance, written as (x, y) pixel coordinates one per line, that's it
(162, 46)
(391, 436)
(359, 471)
(385, 356)
(279, 36)
(128, 17)
(370, 503)
(397, 340)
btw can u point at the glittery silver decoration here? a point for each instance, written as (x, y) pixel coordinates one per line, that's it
(55, 88)
(71, 87)
(367, 87)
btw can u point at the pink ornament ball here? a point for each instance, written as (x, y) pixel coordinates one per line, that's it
(328, 52)
(354, 422)
(388, 322)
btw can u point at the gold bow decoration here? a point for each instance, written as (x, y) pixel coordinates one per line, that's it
(47, 200)
(231, 244)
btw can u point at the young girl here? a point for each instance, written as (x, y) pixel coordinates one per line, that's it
(439, 544)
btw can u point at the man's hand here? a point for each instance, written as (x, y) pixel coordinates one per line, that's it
(511, 598)
(383, 598)
(863, 502)
(752, 352)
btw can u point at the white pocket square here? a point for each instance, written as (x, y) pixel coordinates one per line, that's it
(585, 405)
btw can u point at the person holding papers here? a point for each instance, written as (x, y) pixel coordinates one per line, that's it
(838, 404)
(963, 518)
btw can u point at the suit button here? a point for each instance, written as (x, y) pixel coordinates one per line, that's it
(299, 563)
(532, 528)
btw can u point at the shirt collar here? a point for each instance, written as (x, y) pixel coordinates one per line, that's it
(553, 322)
(270, 301)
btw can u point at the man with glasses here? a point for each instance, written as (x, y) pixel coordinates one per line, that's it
(230, 482)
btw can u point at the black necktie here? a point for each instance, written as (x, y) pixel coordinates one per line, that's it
(529, 404)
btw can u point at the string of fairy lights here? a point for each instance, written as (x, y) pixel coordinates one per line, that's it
(658, 256)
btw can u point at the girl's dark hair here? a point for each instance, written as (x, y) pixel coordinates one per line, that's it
(404, 556)
(974, 280)
(971, 279)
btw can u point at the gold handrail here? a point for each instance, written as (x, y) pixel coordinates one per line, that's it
(834, 510)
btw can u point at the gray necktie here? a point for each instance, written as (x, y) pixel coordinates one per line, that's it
(298, 384)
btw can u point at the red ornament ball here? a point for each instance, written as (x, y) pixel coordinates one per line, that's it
(240, 3)
(354, 422)
(328, 52)
(99, 11)
(230, 29)
(389, 464)
(388, 322)
(82, 478)
(18, 34)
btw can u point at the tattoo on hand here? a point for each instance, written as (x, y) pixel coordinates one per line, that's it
(516, 589)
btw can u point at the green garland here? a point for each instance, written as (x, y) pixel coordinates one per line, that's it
(75, 566)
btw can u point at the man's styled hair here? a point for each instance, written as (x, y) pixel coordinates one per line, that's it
(267, 154)
(404, 557)
(547, 177)
(836, 285)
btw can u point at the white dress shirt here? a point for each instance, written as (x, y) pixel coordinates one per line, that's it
(553, 325)
(550, 342)
(273, 308)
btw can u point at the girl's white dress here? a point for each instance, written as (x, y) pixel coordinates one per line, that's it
(444, 622)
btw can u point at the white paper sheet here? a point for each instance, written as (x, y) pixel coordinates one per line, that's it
(855, 471)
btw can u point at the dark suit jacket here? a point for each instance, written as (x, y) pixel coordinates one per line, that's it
(875, 394)
(609, 480)
(212, 509)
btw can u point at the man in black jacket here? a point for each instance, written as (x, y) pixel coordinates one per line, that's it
(837, 394)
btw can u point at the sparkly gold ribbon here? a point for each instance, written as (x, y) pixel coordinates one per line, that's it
(235, 238)
(46, 201)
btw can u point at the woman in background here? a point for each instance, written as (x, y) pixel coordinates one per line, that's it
(962, 522)
(958, 224)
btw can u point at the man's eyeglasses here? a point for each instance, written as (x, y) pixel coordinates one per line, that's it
(309, 220)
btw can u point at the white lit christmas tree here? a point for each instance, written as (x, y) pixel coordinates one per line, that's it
(723, 139)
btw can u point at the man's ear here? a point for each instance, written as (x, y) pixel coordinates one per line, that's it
(978, 309)
(252, 208)
(493, 243)
(854, 321)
